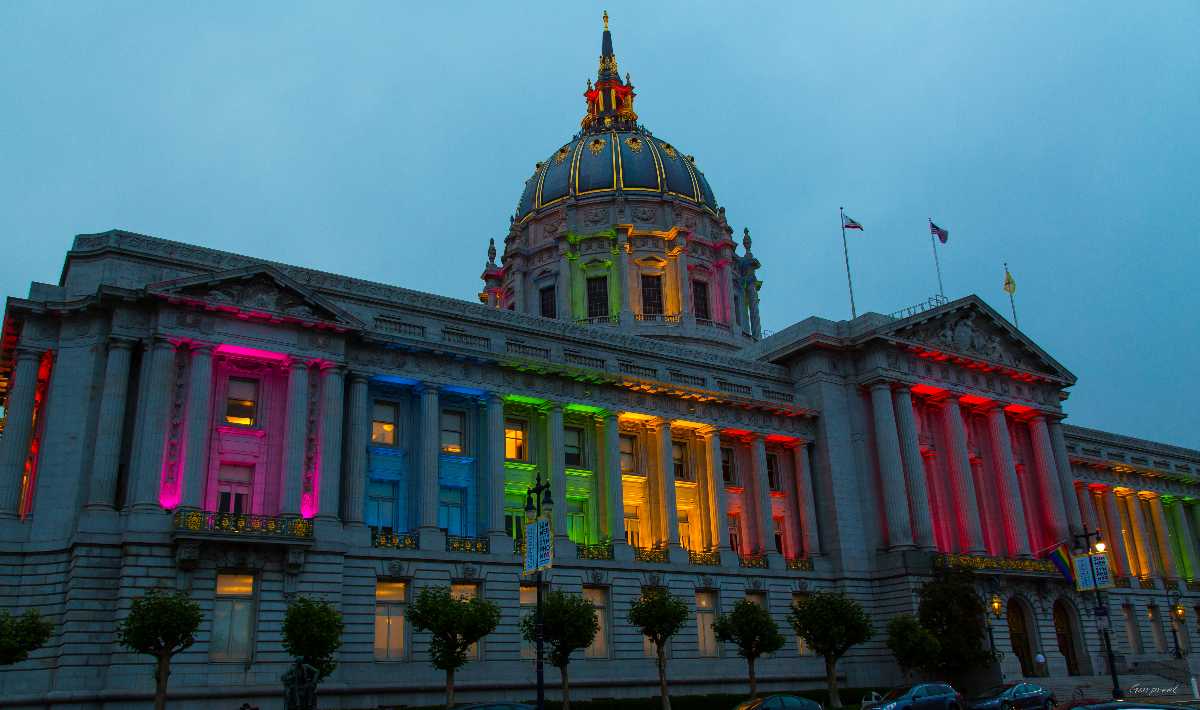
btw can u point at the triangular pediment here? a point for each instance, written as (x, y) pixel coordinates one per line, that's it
(973, 330)
(259, 288)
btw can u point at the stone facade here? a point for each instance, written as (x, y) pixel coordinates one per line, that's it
(247, 430)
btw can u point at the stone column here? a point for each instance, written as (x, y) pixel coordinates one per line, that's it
(1187, 543)
(755, 321)
(914, 466)
(891, 470)
(1062, 464)
(1009, 488)
(810, 535)
(199, 426)
(296, 432)
(765, 520)
(1163, 536)
(562, 290)
(712, 439)
(1141, 535)
(666, 489)
(556, 468)
(1089, 515)
(333, 395)
(614, 488)
(102, 493)
(1114, 533)
(1062, 523)
(626, 314)
(686, 309)
(18, 430)
(966, 504)
(355, 483)
(147, 476)
(432, 538)
(497, 535)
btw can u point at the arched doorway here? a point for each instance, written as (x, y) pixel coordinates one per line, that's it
(1066, 630)
(1021, 635)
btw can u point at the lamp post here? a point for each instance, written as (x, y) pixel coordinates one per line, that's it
(1174, 609)
(537, 501)
(1101, 610)
(996, 606)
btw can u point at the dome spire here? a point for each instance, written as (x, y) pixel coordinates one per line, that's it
(610, 103)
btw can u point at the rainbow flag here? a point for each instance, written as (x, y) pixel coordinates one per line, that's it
(1061, 559)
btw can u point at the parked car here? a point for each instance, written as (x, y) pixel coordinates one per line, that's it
(921, 696)
(1014, 696)
(1132, 705)
(780, 702)
(497, 706)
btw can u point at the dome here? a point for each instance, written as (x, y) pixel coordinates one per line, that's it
(605, 163)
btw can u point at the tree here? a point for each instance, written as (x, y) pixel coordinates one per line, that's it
(21, 635)
(752, 629)
(160, 624)
(831, 623)
(659, 616)
(454, 624)
(569, 623)
(312, 632)
(952, 611)
(911, 643)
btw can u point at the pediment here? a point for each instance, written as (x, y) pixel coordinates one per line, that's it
(971, 329)
(260, 289)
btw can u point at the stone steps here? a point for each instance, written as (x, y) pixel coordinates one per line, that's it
(1100, 688)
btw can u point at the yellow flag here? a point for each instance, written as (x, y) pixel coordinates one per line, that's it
(1010, 284)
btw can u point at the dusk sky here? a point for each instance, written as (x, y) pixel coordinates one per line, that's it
(389, 141)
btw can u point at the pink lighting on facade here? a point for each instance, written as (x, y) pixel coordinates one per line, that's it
(242, 351)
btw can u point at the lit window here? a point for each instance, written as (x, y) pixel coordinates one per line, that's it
(685, 531)
(383, 424)
(514, 522)
(576, 522)
(233, 489)
(381, 505)
(633, 526)
(801, 645)
(628, 453)
(778, 524)
(241, 403)
(233, 618)
(453, 431)
(597, 297)
(450, 510)
(679, 462)
(735, 532)
(706, 611)
(700, 300)
(467, 590)
(514, 440)
(573, 446)
(728, 470)
(598, 596)
(759, 598)
(652, 297)
(773, 480)
(389, 620)
(547, 301)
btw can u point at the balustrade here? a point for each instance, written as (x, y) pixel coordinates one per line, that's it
(207, 522)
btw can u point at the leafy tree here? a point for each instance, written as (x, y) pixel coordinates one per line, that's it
(454, 624)
(569, 623)
(659, 616)
(160, 624)
(21, 635)
(911, 643)
(953, 612)
(831, 623)
(751, 627)
(312, 632)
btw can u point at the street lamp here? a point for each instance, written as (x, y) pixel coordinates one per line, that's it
(1084, 542)
(537, 499)
(1176, 612)
(996, 606)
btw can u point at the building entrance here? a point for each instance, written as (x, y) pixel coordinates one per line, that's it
(1020, 634)
(1066, 630)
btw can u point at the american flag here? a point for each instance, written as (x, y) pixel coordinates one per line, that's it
(938, 232)
(848, 223)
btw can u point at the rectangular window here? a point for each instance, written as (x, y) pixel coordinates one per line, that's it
(467, 590)
(548, 302)
(597, 297)
(241, 402)
(450, 510)
(735, 532)
(598, 596)
(573, 447)
(454, 427)
(759, 598)
(679, 462)
(514, 523)
(633, 526)
(576, 522)
(514, 440)
(233, 488)
(685, 530)
(801, 645)
(389, 620)
(728, 469)
(652, 296)
(778, 525)
(381, 505)
(1132, 634)
(706, 612)
(700, 300)
(383, 424)
(628, 453)
(528, 602)
(232, 635)
(1156, 628)
(773, 479)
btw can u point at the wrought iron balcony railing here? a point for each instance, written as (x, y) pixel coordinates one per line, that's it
(658, 553)
(392, 540)
(710, 558)
(285, 527)
(801, 564)
(459, 543)
(597, 551)
(753, 561)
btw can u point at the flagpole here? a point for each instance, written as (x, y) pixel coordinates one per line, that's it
(936, 263)
(1011, 300)
(846, 253)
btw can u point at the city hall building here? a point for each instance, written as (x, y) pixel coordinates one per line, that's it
(248, 430)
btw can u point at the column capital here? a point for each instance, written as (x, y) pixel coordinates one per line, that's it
(297, 363)
(199, 347)
(902, 387)
(25, 352)
(161, 342)
(424, 388)
(878, 384)
(550, 406)
(357, 376)
(121, 342)
(494, 398)
(332, 368)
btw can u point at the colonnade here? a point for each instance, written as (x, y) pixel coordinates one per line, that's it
(1149, 534)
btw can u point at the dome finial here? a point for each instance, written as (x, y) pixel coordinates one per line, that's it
(491, 252)
(606, 20)
(746, 241)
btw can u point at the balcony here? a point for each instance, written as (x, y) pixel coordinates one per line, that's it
(658, 553)
(211, 525)
(461, 543)
(657, 317)
(704, 558)
(800, 564)
(758, 561)
(395, 541)
(598, 551)
(599, 320)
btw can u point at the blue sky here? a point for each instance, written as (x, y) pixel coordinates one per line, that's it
(388, 141)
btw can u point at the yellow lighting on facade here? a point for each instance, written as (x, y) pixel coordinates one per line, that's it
(636, 417)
